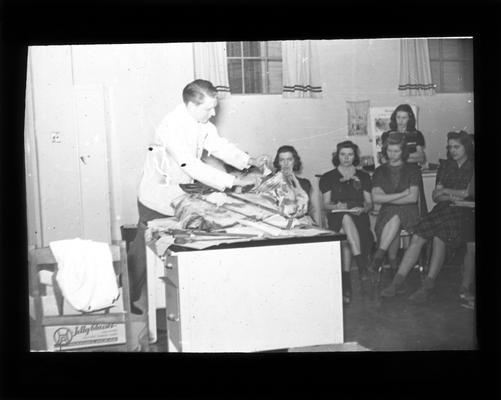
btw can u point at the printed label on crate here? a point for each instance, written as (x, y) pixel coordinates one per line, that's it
(68, 337)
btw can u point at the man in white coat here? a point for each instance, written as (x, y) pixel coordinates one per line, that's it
(176, 158)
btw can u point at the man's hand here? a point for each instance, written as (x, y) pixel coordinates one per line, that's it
(246, 180)
(258, 162)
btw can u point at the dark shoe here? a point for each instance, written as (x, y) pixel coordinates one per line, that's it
(420, 296)
(135, 310)
(394, 288)
(389, 291)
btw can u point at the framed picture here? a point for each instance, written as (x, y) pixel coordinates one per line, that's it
(379, 122)
(358, 117)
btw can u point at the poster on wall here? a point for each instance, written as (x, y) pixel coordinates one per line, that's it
(379, 122)
(358, 117)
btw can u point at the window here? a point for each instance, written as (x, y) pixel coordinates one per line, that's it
(255, 67)
(451, 62)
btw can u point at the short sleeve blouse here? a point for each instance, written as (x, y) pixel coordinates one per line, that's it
(350, 191)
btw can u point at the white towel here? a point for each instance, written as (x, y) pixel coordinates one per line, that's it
(85, 273)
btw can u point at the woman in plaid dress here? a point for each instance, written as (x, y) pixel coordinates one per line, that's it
(446, 224)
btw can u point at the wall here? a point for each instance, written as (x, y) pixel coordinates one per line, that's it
(143, 82)
(351, 70)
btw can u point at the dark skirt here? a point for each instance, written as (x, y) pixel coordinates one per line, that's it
(408, 214)
(362, 224)
(453, 225)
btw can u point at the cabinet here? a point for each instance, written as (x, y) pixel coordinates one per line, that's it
(252, 298)
(66, 152)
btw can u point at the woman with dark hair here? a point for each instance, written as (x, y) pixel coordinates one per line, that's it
(288, 161)
(395, 188)
(445, 224)
(403, 120)
(348, 188)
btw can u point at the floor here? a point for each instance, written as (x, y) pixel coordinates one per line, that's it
(389, 325)
(397, 324)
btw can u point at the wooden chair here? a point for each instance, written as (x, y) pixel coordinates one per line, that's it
(405, 237)
(43, 259)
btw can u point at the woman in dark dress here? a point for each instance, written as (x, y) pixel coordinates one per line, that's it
(395, 188)
(348, 188)
(287, 160)
(446, 224)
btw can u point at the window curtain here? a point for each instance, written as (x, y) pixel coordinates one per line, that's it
(301, 69)
(211, 64)
(415, 71)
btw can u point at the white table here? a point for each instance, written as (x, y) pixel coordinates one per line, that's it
(254, 296)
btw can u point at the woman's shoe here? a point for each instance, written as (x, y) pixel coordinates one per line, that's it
(389, 291)
(394, 288)
(420, 296)
(423, 293)
(135, 309)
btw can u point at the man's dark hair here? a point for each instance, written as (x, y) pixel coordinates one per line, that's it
(197, 90)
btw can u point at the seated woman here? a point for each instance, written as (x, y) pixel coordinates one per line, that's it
(394, 186)
(445, 224)
(287, 161)
(347, 187)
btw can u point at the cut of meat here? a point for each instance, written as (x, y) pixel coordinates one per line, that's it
(194, 213)
(276, 201)
(285, 192)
